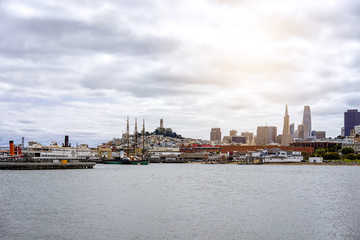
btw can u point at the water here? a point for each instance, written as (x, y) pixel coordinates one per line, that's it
(182, 201)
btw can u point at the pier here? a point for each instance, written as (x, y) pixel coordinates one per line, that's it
(44, 166)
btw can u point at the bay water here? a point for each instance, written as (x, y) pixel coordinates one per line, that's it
(182, 201)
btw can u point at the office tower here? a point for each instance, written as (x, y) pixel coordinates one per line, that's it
(351, 119)
(266, 135)
(249, 136)
(272, 134)
(303, 131)
(320, 134)
(292, 130)
(215, 134)
(233, 133)
(262, 134)
(161, 123)
(286, 137)
(307, 119)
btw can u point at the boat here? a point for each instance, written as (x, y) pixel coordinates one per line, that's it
(126, 160)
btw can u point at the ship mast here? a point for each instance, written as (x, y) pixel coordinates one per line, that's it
(143, 138)
(135, 145)
(128, 137)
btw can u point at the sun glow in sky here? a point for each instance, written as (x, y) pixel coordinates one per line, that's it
(80, 67)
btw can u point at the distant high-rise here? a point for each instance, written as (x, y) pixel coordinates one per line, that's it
(233, 133)
(161, 123)
(320, 134)
(307, 119)
(249, 136)
(215, 134)
(286, 137)
(266, 135)
(262, 135)
(303, 131)
(351, 119)
(292, 130)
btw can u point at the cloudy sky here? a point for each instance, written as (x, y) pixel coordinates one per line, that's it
(80, 67)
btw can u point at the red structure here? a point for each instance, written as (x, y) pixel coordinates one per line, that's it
(242, 148)
(199, 148)
(314, 145)
(12, 149)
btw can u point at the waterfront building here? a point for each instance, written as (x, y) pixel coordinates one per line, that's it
(351, 119)
(286, 137)
(307, 119)
(215, 134)
(233, 133)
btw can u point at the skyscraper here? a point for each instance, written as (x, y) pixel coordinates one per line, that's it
(233, 133)
(215, 134)
(266, 135)
(307, 120)
(286, 137)
(351, 119)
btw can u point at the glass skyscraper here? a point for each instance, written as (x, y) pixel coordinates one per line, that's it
(351, 119)
(307, 119)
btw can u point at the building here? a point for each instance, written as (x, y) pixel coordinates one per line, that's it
(320, 134)
(303, 131)
(227, 139)
(233, 133)
(286, 137)
(307, 119)
(215, 134)
(266, 135)
(249, 136)
(245, 148)
(351, 119)
(315, 145)
(292, 130)
(238, 139)
(357, 129)
(315, 159)
(161, 123)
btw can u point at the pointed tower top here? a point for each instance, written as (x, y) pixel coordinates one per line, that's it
(286, 111)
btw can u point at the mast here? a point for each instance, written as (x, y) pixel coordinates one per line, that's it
(128, 137)
(143, 138)
(135, 133)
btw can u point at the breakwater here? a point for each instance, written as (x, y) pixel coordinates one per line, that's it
(44, 166)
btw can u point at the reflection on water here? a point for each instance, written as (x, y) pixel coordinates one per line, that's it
(188, 201)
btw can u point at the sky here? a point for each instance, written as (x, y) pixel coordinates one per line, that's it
(79, 68)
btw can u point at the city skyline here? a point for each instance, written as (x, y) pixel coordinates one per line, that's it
(80, 68)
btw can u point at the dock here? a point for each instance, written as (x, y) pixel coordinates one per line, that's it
(45, 166)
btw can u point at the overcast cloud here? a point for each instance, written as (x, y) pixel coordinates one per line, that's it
(80, 67)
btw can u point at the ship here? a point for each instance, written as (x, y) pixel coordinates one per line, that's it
(126, 160)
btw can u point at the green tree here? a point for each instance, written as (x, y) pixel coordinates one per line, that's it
(350, 156)
(320, 151)
(331, 156)
(347, 150)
